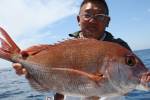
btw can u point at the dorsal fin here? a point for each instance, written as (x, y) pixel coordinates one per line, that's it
(36, 49)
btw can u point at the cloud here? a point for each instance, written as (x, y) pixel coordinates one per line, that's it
(24, 19)
(38, 38)
(21, 16)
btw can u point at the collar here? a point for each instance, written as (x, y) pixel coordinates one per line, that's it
(103, 37)
(106, 35)
(80, 35)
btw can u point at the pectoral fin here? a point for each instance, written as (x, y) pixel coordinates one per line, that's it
(90, 98)
(94, 77)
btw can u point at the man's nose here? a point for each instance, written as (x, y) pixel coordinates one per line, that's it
(92, 20)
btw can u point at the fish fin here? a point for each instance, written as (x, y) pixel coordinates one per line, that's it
(36, 49)
(94, 77)
(8, 47)
(90, 98)
(9, 40)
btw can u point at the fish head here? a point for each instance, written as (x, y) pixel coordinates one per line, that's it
(125, 71)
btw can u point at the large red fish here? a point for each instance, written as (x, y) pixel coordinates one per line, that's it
(78, 67)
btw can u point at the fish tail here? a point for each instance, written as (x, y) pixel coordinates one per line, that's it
(8, 47)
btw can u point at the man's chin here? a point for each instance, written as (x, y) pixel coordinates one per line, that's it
(92, 31)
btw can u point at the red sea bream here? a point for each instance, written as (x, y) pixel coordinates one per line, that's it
(78, 67)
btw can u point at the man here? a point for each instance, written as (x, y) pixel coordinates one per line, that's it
(93, 19)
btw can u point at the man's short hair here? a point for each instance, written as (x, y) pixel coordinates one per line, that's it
(97, 2)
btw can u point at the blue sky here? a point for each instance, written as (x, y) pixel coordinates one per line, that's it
(31, 22)
(130, 21)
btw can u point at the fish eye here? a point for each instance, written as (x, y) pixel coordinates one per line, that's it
(130, 60)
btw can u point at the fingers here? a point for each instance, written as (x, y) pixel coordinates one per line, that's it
(17, 66)
(19, 69)
(146, 77)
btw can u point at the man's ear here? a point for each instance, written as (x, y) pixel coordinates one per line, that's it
(107, 20)
(78, 19)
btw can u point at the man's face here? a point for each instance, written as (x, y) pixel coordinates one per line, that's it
(92, 27)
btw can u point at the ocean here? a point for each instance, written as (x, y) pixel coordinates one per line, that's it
(14, 87)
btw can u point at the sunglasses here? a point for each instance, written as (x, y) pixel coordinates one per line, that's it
(99, 17)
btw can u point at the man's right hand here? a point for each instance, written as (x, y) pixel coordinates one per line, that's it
(19, 69)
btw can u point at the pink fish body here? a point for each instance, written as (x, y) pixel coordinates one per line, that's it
(78, 67)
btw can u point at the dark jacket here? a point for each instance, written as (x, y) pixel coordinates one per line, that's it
(108, 37)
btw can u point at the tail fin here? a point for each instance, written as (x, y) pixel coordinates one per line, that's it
(8, 46)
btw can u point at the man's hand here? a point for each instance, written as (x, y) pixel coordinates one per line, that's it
(19, 69)
(146, 77)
